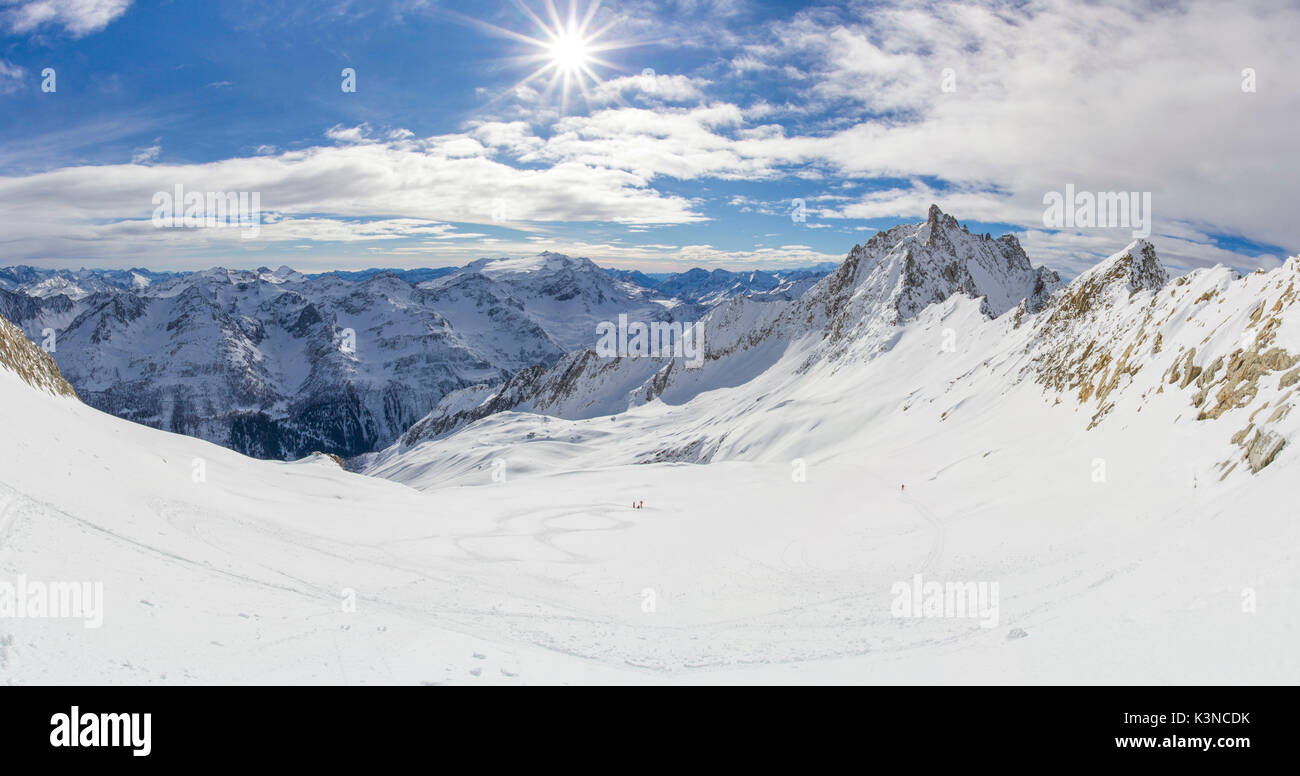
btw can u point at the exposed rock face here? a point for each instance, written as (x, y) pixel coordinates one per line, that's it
(1239, 384)
(275, 366)
(1075, 351)
(1263, 449)
(903, 270)
(328, 456)
(1214, 337)
(32, 365)
(47, 311)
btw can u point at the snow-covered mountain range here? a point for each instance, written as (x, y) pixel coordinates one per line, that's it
(43, 283)
(1116, 454)
(277, 364)
(859, 306)
(711, 288)
(1117, 340)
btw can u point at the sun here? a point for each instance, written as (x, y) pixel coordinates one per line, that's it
(565, 49)
(570, 53)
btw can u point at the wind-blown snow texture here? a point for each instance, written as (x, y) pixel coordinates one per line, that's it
(1114, 455)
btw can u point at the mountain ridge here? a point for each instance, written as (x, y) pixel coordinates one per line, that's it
(853, 310)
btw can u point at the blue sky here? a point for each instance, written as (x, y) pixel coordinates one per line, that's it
(686, 144)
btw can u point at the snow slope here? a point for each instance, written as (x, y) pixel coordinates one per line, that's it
(1127, 505)
(240, 577)
(543, 577)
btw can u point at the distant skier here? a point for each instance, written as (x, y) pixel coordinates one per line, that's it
(902, 487)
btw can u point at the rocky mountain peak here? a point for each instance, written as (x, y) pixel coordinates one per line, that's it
(902, 270)
(1136, 267)
(937, 225)
(1120, 276)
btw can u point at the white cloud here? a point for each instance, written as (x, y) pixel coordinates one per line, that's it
(78, 17)
(1109, 96)
(650, 87)
(341, 134)
(11, 77)
(650, 257)
(146, 155)
(1135, 95)
(766, 258)
(79, 210)
(683, 143)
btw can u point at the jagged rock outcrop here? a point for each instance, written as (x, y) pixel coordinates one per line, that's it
(1124, 332)
(1263, 448)
(32, 365)
(1073, 353)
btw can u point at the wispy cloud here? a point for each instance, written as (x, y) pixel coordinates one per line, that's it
(77, 17)
(147, 154)
(11, 77)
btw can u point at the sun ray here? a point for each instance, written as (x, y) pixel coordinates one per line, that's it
(562, 48)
